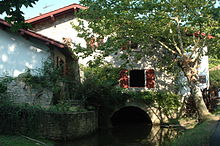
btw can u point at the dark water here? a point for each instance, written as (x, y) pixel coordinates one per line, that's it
(126, 135)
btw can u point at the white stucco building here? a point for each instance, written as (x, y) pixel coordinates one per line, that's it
(25, 49)
(58, 25)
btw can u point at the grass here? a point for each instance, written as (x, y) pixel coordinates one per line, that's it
(213, 62)
(6, 140)
(198, 136)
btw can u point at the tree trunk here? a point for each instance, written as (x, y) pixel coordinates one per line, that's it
(200, 104)
(191, 73)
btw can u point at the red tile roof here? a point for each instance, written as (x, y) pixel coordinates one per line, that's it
(62, 47)
(68, 9)
(196, 34)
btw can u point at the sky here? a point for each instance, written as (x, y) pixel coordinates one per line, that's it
(44, 6)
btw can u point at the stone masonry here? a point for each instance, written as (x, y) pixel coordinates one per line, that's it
(19, 92)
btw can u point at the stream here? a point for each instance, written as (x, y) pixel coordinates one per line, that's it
(126, 135)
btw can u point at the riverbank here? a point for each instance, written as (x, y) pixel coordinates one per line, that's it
(195, 136)
(7, 140)
(198, 136)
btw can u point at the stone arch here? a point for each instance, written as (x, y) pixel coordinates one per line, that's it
(130, 114)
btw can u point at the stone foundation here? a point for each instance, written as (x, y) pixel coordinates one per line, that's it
(50, 125)
(19, 92)
(57, 126)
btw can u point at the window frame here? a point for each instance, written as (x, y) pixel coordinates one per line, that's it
(149, 78)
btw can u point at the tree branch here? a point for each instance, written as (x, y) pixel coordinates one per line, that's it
(164, 45)
(175, 44)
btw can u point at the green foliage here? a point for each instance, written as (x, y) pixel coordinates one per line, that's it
(107, 75)
(168, 103)
(169, 34)
(50, 77)
(47, 76)
(16, 117)
(200, 135)
(215, 78)
(7, 140)
(146, 97)
(3, 84)
(213, 62)
(66, 108)
(25, 118)
(170, 24)
(3, 88)
(13, 9)
(99, 88)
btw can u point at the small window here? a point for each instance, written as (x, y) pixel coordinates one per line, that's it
(202, 79)
(137, 78)
(60, 64)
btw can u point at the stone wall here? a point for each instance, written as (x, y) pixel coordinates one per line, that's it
(59, 126)
(19, 92)
(51, 125)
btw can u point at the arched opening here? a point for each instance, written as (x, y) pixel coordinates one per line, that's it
(130, 115)
(130, 124)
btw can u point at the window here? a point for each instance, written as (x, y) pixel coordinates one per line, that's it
(202, 79)
(61, 65)
(137, 78)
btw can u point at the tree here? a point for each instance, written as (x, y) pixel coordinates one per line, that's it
(176, 29)
(12, 8)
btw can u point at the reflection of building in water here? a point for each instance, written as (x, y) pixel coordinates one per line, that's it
(134, 135)
(158, 135)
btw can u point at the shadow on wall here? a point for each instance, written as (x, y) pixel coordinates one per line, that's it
(18, 54)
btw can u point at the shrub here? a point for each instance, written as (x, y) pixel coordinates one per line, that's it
(50, 77)
(99, 88)
(3, 84)
(215, 78)
(66, 108)
(168, 103)
(26, 119)
(19, 118)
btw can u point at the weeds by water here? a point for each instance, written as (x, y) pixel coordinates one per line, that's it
(22, 141)
(197, 136)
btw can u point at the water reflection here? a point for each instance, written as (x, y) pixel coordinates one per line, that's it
(126, 135)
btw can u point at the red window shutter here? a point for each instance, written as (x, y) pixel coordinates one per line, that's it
(150, 78)
(123, 81)
(92, 43)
